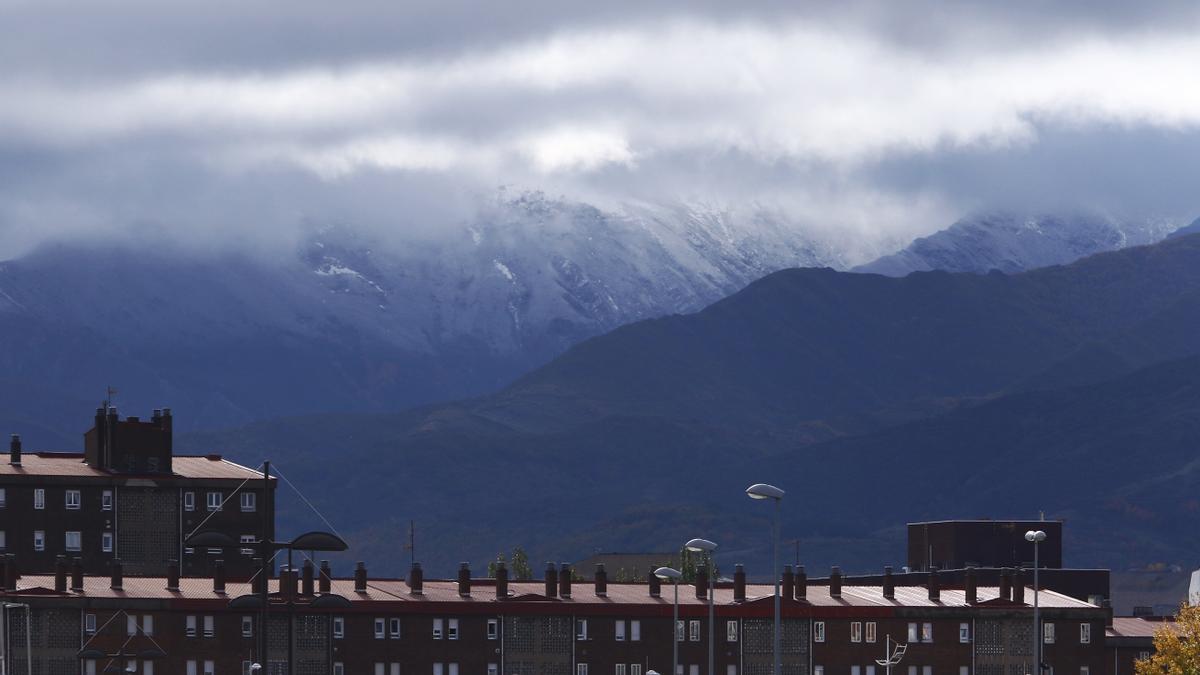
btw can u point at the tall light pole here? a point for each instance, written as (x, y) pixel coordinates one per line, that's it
(671, 574)
(697, 546)
(764, 491)
(1037, 537)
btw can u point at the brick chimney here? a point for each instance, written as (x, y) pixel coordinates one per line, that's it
(889, 583)
(260, 577)
(835, 582)
(788, 588)
(464, 579)
(501, 580)
(601, 579)
(654, 584)
(360, 577)
(13, 573)
(289, 579)
(1005, 583)
(325, 577)
(60, 574)
(1018, 586)
(702, 582)
(416, 579)
(935, 590)
(564, 580)
(4, 572)
(117, 579)
(77, 574)
(801, 583)
(14, 450)
(739, 583)
(551, 580)
(306, 581)
(970, 586)
(219, 577)
(172, 575)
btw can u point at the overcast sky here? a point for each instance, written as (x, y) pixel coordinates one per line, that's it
(218, 121)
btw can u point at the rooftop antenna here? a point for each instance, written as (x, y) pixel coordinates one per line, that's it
(893, 656)
(412, 542)
(109, 393)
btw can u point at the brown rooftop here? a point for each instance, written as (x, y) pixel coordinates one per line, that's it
(69, 464)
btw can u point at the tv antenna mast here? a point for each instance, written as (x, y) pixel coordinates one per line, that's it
(893, 656)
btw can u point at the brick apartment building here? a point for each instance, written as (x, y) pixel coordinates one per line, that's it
(127, 496)
(84, 625)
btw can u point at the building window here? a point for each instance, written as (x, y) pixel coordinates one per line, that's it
(731, 630)
(636, 669)
(493, 629)
(380, 628)
(452, 669)
(106, 542)
(394, 627)
(39, 540)
(437, 629)
(89, 667)
(246, 668)
(818, 670)
(855, 670)
(39, 498)
(106, 500)
(964, 670)
(493, 669)
(619, 670)
(379, 669)
(635, 630)
(208, 627)
(214, 501)
(339, 627)
(73, 500)
(912, 634)
(870, 631)
(190, 627)
(1085, 633)
(1142, 656)
(248, 500)
(729, 670)
(926, 670)
(148, 624)
(248, 539)
(581, 629)
(3, 540)
(1048, 633)
(581, 669)
(856, 631)
(694, 630)
(1084, 670)
(452, 630)
(89, 623)
(72, 541)
(679, 631)
(130, 624)
(818, 631)
(926, 632)
(209, 668)
(339, 668)
(619, 630)
(191, 668)
(394, 669)
(964, 633)
(189, 501)
(247, 626)
(3, 499)
(438, 669)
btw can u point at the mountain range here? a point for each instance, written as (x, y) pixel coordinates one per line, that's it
(873, 400)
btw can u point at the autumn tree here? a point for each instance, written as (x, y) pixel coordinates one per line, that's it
(1176, 646)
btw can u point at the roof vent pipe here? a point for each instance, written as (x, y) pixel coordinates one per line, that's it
(219, 577)
(889, 583)
(416, 579)
(801, 583)
(835, 582)
(789, 583)
(1018, 586)
(360, 577)
(551, 580)
(501, 580)
(935, 591)
(970, 586)
(60, 574)
(739, 583)
(14, 450)
(654, 584)
(77, 574)
(325, 577)
(172, 575)
(464, 579)
(117, 577)
(602, 581)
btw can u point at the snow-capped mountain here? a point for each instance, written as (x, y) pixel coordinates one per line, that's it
(1012, 242)
(352, 323)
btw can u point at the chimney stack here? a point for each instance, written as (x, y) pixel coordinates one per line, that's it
(172, 575)
(739, 583)
(970, 586)
(801, 583)
(935, 591)
(1005, 584)
(325, 577)
(3, 572)
(14, 450)
(219, 577)
(306, 581)
(702, 582)
(14, 574)
(360, 577)
(789, 583)
(416, 579)
(117, 579)
(77, 574)
(501, 580)
(60, 574)
(260, 577)
(564, 580)
(654, 584)
(464, 579)
(1018, 586)
(602, 580)
(889, 583)
(835, 582)
(551, 580)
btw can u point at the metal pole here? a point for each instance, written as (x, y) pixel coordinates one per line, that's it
(1037, 638)
(265, 547)
(3, 638)
(712, 572)
(778, 627)
(675, 634)
(291, 616)
(28, 640)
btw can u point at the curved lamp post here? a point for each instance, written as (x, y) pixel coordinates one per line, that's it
(671, 574)
(764, 491)
(1036, 537)
(707, 547)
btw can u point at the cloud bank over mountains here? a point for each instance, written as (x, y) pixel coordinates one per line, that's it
(210, 124)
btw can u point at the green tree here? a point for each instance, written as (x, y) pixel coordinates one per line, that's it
(495, 564)
(520, 569)
(1176, 646)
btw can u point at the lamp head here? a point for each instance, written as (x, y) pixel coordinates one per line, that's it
(667, 574)
(764, 491)
(697, 545)
(1036, 536)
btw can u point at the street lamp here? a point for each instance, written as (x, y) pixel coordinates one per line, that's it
(764, 491)
(707, 547)
(1037, 537)
(672, 575)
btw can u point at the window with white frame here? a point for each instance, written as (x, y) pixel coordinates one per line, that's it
(818, 631)
(1085, 633)
(247, 539)
(246, 668)
(247, 626)
(89, 623)
(72, 541)
(3, 540)
(912, 670)
(339, 668)
(493, 629)
(439, 669)
(1084, 670)
(964, 670)
(147, 668)
(210, 668)
(189, 501)
(731, 630)
(39, 540)
(393, 668)
(856, 631)
(926, 632)
(106, 542)
(871, 631)
(106, 500)
(694, 630)
(209, 631)
(964, 633)
(855, 670)
(191, 668)
(394, 627)
(818, 670)
(635, 630)
(694, 669)
(89, 667)
(493, 669)
(679, 669)
(39, 498)
(380, 668)
(913, 634)
(451, 669)
(870, 670)
(619, 630)
(1048, 633)
(190, 627)
(73, 500)
(679, 630)
(380, 628)
(249, 502)
(147, 624)
(452, 629)
(581, 669)
(437, 629)
(731, 669)
(339, 627)
(214, 501)
(926, 670)
(1142, 656)
(130, 624)
(3, 498)
(635, 669)
(620, 669)
(581, 629)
